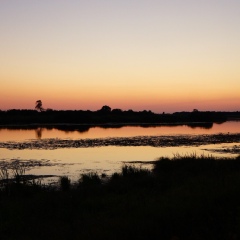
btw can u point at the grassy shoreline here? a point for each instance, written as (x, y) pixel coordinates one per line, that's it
(187, 197)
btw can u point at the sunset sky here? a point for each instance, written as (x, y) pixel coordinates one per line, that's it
(159, 55)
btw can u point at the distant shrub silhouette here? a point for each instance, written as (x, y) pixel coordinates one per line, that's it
(105, 109)
(117, 110)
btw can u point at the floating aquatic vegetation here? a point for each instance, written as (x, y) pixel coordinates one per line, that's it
(154, 141)
(233, 150)
(26, 164)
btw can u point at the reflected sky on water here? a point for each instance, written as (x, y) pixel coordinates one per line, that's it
(124, 131)
(74, 161)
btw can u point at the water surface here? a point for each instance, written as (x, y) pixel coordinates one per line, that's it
(73, 161)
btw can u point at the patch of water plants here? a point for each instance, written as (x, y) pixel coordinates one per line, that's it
(185, 197)
(154, 141)
(235, 149)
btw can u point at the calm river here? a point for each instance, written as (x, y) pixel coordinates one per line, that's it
(104, 150)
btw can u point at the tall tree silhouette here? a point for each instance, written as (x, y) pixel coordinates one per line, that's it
(39, 105)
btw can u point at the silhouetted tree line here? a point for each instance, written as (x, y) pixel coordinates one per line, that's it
(106, 115)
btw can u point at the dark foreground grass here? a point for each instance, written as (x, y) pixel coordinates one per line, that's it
(187, 197)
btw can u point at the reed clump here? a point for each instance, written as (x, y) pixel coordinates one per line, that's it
(65, 183)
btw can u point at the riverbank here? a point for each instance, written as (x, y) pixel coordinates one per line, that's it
(187, 197)
(109, 116)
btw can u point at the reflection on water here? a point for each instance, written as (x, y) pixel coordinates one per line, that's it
(75, 161)
(39, 133)
(107, 159)
(83, 132)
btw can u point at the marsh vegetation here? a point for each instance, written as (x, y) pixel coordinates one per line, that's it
(186, 197)
(153, 141)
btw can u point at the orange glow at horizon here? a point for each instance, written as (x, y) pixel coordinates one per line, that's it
(165, 56)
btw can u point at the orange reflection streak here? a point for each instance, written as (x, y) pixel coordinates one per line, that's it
(128, 131)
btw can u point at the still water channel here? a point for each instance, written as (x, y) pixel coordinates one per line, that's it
(68, 152)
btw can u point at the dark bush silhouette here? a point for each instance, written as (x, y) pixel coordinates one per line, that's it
(105, 109)
(117, 111)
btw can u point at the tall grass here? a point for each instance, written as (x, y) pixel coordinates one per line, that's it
(65, 183)
(184, 197)
(14, 181)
